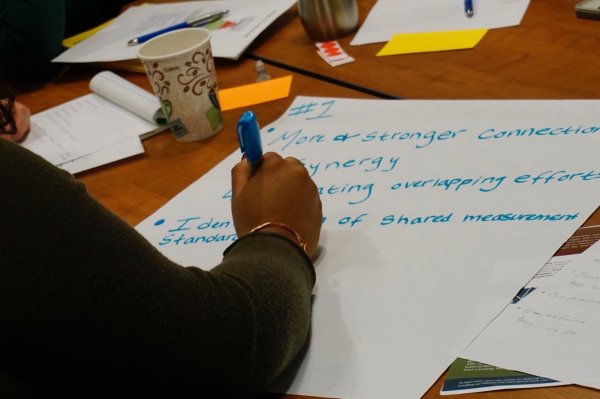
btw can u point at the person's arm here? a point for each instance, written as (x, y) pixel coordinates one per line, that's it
(31, 34)
(89, 306)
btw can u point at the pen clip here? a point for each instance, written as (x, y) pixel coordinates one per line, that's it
(240, 133)
(207, 18)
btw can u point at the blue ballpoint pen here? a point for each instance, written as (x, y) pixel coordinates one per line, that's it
(249, 137)
(469, 8)
(204, 19)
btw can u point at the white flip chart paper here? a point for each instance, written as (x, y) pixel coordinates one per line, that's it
(437, 213)
(554, 330)
(124, 149)
(389, 17)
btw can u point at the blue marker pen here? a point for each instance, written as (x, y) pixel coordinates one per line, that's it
(200, 21)
(249, 137)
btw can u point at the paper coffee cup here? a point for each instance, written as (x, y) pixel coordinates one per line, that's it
(181, 69)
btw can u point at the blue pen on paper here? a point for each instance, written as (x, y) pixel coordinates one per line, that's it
(202, 20)
(469, 8)
(249, 137)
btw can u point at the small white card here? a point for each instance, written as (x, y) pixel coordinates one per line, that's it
(333, 54)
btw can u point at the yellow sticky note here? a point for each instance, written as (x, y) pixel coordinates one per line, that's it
(407, 43)
(73, 40)
(256, 93)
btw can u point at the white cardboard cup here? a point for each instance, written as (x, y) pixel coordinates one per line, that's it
(181, 70)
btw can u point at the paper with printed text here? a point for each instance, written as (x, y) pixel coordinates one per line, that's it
(553, 331)
(247, 19)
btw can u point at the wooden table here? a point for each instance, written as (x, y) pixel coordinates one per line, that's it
(551, 55)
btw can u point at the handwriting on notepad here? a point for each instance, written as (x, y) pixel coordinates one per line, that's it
(313, 110)
(365, 164)
(551, 325)
(422, 138)
(575, 306)
(208, 229)
(196, 230)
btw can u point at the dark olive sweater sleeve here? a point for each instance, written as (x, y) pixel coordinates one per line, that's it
(88, 307)
(32, 32)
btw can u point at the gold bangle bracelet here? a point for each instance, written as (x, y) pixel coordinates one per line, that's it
(301, 242)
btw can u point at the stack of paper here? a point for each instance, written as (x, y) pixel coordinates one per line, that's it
(553, 331)
(98, 128)
(247, 19)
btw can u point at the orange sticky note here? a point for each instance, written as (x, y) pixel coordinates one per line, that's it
(256, 93)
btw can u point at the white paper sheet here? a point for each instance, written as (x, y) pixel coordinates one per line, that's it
(110, 44)
(81, 127)
(125, 149)
(389, 17)
(395, 304)
(553, 331)
(469, 380)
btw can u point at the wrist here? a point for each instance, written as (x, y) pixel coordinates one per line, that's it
(283, 230)
(280, 231)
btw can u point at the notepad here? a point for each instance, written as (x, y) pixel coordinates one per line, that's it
(98, 128)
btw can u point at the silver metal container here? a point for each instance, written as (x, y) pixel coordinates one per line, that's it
(328, 19)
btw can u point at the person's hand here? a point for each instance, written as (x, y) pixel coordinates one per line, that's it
(282, 192)
(21, 114)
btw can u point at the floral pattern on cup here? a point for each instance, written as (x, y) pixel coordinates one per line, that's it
(182, 75)
(157, 78)
(196, 78)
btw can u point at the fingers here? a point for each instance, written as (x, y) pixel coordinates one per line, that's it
(22, 115)
(240, 172)
(274, 157)
(239, 177)
(271, 157)
(281, 191)
(294, 161)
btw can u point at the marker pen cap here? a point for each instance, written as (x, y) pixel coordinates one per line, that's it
(249, 136)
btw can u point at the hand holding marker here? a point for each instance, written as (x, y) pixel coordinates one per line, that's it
(249, 137)
(283, 199)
